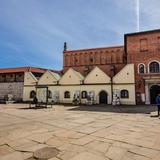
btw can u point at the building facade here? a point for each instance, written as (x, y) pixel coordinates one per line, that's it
(141, 49)
(94, 88)
(130, 72)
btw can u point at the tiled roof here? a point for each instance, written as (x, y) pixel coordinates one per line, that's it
(23, 69)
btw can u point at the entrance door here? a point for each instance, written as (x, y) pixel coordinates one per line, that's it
(103, 97)
(154, 90)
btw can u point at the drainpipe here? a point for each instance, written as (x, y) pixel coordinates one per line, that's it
(111, 90)
(113, 73)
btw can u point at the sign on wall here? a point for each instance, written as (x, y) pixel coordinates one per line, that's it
(42, 95)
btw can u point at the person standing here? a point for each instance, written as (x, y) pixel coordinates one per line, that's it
(158, 103)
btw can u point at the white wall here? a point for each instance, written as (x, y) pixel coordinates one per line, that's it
(26, 92)
(131, 89)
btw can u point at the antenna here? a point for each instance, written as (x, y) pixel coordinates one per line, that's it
(138, 15)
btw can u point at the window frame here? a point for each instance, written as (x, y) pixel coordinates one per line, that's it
(139, 68)
(124, 93)
(32, 94)
(84, 96)
(149, 67)
(67, 95)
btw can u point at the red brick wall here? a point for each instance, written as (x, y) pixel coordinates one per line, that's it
(142, 48)
(104, 58)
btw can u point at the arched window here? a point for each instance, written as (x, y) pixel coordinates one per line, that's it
(66, 94)
(84, 94)
(154, 67)
(124, 93)
(32, 94)
(49, 94)
(141, 68)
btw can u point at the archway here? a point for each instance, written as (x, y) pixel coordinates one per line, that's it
(103, 97)
(154, 90)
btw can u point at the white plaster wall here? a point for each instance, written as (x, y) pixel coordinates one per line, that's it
(131, 89)
(29, 79)
(73, 89)
(97, 76)
(126, 75)
(47, 78)
(26, 92)
(70, 77)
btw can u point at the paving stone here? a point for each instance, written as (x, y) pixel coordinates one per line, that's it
(22, 145)
(116, 153)
(82, 141)
(46, 153)
(98, 146)
(35, 148)
(56, 142)
(88, 156)
(41, 137)
(144, 152)
(74, 132)
(122, 145)
(54, 158)
(132, 156)
(4, 150)
(12, 156)
(27, 155)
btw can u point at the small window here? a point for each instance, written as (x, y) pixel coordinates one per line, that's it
(154, 67)
(124, 94)
(143, 45)
(141, 68)
(84, 94)
(49, 94)
(67, 94)
(32, 94)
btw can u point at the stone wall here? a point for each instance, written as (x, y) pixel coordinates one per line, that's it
(14, 88)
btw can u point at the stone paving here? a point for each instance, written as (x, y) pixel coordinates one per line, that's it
(79, 133)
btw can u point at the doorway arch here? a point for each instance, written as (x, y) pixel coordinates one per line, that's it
(154, 90)
(103, 97)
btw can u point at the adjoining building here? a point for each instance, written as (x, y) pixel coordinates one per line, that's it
(12, 81)
(96, 85)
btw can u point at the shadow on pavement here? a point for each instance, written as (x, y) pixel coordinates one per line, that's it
(28, 108)
(143, 109)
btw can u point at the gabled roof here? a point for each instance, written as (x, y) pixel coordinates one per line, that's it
(78, 74)
(71, 77)
(53, 75)
(96, 75)
(125, 75)
(29, 79)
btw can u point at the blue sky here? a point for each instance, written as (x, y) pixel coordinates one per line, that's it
(32, 32)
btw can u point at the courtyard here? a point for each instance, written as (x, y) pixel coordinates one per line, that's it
(79, 133)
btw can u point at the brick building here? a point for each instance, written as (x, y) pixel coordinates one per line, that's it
(110, 59)
(141, 49)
